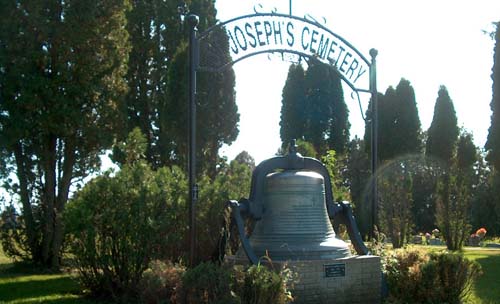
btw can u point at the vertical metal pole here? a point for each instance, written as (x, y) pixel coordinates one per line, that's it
(192, 21)
(374, 143)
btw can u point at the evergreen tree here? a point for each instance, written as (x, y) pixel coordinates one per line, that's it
(493, 143)
(327, 124)
(407, 124)
(313, 108)
(455, 194)
(338, 136)
(155, 32)
(387, 116)
(157, 101)
(443, 132)
(62, 68)
(293, 106)
(217, 112)
(318, 104)
(398, 123)
(467, 154)
(357, 177)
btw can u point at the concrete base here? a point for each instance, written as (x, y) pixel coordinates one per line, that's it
(353, 280)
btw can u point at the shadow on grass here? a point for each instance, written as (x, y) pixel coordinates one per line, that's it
(486, 287)
(25, 283)
(21, 269)
(37, 287)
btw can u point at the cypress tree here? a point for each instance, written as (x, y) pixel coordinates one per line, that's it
(493, 142)
(407, 124)
(443, 132)
(293, 119)
(318, 104)
(338, 137)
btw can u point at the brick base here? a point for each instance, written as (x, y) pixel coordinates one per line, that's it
(353, 280)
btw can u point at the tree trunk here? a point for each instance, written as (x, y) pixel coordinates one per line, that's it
(49, 197)
(25, 201)
(62, 198)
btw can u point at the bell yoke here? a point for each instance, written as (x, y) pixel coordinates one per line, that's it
(292, 203)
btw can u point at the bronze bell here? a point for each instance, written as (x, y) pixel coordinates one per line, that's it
(292, 203)
(295, 223)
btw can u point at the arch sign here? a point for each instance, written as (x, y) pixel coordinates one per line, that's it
(270, 33)
(229, 42)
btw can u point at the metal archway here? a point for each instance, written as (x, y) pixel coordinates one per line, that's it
(259, 33)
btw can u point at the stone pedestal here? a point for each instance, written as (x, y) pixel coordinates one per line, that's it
(353, 280)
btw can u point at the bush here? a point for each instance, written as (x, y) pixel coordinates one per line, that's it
(210, 283)
(417, 277)
(261, 285)
(161, 282)
(207, 283)
(117, 225)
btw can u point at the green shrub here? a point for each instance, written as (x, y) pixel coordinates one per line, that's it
(415, 276)
(261, 285)
(161, 282)
(117, 224)
(207, 283)
(449, 276)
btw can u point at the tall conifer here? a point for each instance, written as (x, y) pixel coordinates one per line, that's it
(493, 143)
(293, 106)
(443, 132)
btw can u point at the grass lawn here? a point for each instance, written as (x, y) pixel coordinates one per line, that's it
(487, 288)
(20, 284)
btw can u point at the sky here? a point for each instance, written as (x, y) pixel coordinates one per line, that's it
(429, 43)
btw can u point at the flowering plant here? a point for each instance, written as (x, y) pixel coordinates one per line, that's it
(481, 232)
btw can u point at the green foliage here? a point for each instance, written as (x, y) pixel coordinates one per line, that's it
(416, 277)
(443, 132)
(319, 106)
(304, 148)
(160, 282)
(232, 182)
(293, 106)
(261, 285)
(396, 201)
(357, 174)
(398, 123)
(313, 108)
(407, 124)
(157, 76)
(492, 145)
(61, 78)
(452, 207)
(454, 195)
(245, 158)
(467, 154)
(334, 167)
(131, 150)
(118, 224)
(208, 283)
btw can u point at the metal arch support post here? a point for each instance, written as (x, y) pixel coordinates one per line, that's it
(374, 141)
(192, 21)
